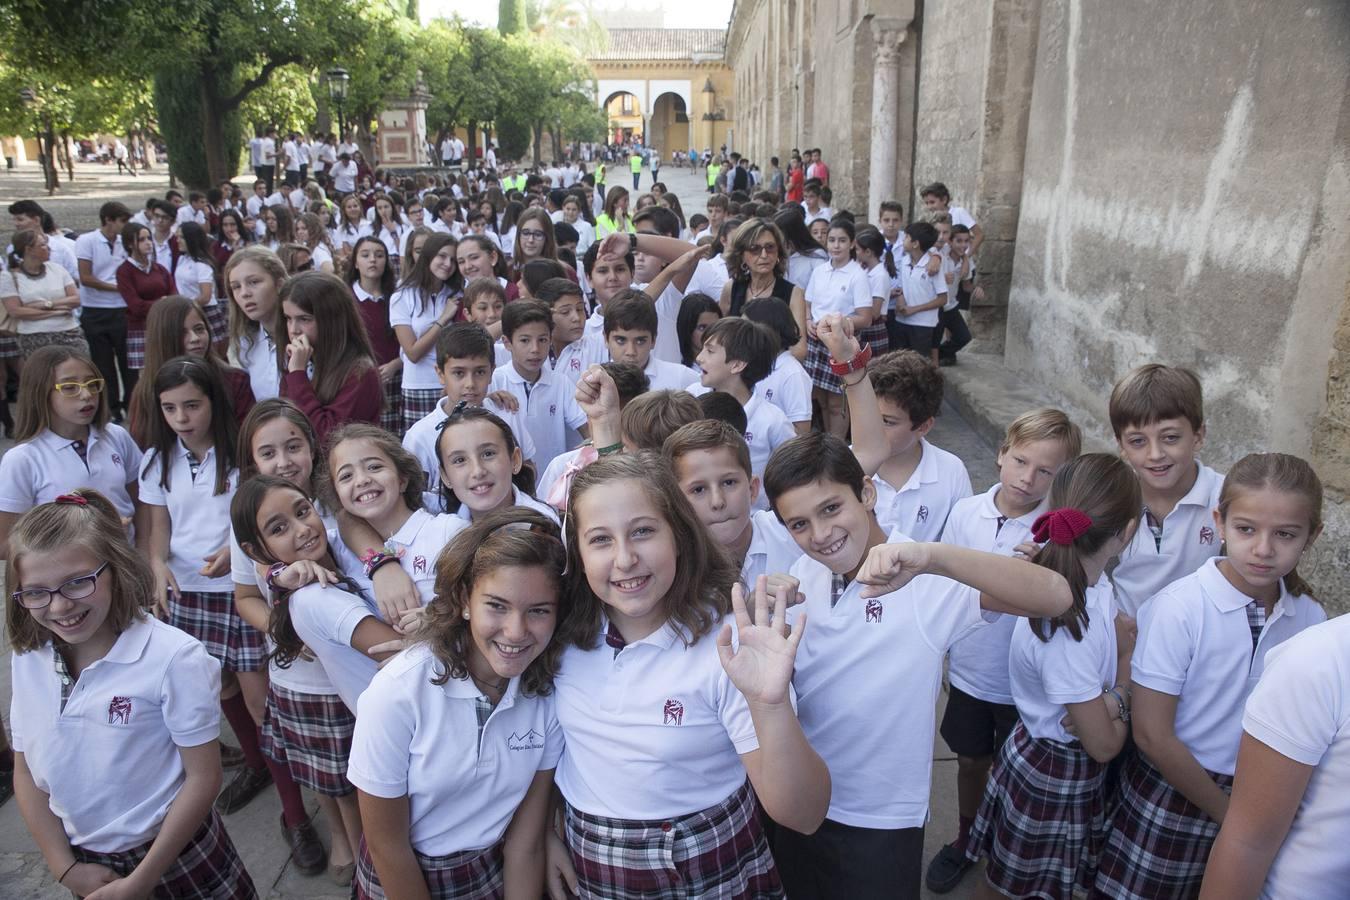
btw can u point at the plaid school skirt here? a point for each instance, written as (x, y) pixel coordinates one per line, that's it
(210, 617)
(9, 347)
(876, 335)
(311, 735)
(717, 852)
(217, 322)
(136, 348)
(471, 875)
(391, 417)
(1042, 821)
(208, 868)
(418, 404)
(818, 367)
(1159, 841)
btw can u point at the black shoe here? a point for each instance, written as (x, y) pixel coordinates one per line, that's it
(946, 869)
(231, 757)
(306, 849)
(947, 360)
(244, 786)
(6, 785)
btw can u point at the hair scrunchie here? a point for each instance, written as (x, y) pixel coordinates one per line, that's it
(1061, 526)
(73, 499)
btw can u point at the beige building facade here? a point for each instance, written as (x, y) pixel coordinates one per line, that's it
(1156, 182)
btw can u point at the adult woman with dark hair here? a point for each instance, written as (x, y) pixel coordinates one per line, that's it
(756, 259)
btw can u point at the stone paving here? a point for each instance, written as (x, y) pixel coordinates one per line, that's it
(23, 874)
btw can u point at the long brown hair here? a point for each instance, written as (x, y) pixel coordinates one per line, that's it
(515, 536)
(550, 248)
(95, 526)
(37, 383)
(164, 341)
(1107, 490)
(1277, 472)
(241, 326)
(701, 592)
(342, 347)
(262, 413)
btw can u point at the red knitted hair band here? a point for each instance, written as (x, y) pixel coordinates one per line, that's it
(1061, 526)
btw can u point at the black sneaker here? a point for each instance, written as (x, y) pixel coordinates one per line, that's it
(6, 785)
(947, 360)
(244, 786)
(306, 849)
(946, 869)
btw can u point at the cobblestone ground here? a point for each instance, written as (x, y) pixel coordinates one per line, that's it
(254, 829)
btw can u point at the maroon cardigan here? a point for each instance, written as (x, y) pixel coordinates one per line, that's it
(359, 400)
(140, 289)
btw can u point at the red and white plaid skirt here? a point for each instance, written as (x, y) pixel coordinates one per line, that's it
(471, 875)
(818, 367)
(217, 323)
(208, 868)
(211, 617)
(311, 735)
(391, 417)
(1159, 841)
(418, 404)
(876, 335)
(136, 348)
(717, 852)
(1042, 821)
(9, 347)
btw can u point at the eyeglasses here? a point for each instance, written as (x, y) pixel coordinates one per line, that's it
(75, 388)
(762, 249)
(75, 589)
(533, 235)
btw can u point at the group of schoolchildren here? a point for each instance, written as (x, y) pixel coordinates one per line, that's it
(644, 580)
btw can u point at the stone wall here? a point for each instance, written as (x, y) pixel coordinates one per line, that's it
(1185, 199)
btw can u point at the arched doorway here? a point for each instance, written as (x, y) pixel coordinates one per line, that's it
(668, 124)
(626, 119)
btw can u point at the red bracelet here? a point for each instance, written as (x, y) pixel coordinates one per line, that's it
(856, 364)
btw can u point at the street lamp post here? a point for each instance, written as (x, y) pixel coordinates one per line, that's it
(338, 79)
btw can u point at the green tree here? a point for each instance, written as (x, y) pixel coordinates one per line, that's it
(511, 17)
(468, 75)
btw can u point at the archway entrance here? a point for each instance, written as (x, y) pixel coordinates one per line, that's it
(668, 124)
(626, 119)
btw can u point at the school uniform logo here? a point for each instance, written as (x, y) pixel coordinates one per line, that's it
(575, 364)
(530, 740)
(119, 711)
(1206, 535)
(672, 713)
(872, 611)
(923, 514)
(117, 459)
(749, 436)
(553, 409)
(419, 565)
(768, 393)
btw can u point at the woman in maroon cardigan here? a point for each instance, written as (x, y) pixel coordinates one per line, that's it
(141, 281)
(330, 370)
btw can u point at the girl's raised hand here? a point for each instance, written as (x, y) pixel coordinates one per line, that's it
(761, 666)
(615, 244)
(298, 353)
(217, 564)
(889, 567)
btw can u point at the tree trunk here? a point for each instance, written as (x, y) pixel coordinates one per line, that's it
(213, 133)
(472, 149)
(66, 155)
(557, 140)
(538, 138)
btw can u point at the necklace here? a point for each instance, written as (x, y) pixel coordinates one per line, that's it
(488, 687)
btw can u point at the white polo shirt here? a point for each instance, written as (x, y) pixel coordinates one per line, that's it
(708, 278)
(258, 356)
(1301, 710)
(919, 288)
(325, 618)
(667, 376)
(1048, 675)
(666, 345)
(978, 663)
(419, 541)
(772, 550)
(787, 387)
(1195, 644)
(42, 469)
(580, 355)
(549, 407)
(421, 740)
(801, 265)
(420, 439)
(518, 498)
(855, 661)
(199, 518)
(920, 507)
(766, 427)
(403, 310)
(190, 274)
(104, 258)
(837, 290)
(1188, 539)
(671, 715)
(109, 761)
(555, 470)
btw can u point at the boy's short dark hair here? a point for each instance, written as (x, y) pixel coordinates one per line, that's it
(593, 253)
(464, 340)
(960, 229)
(565, 234)
(776, 316)
(697, 220)
(475, 216)
(112, 211)
(709, 434)
(537, 271)
(892, 206)
(723, 407)
(661, 218)
(629, 381)
(747, 342)
(1155, 392)
(631, 310)
(910, 381)
(808, 458)
(936, 189)
(523, 312)
(922, 233)
(30, 208)
(554, 289)
(480, 286)
(719, 201)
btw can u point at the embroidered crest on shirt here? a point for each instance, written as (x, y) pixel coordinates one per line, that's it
(553, 409)
(1206, 534)
(768, 393)
(420, 565)
(575, 364)
(530, 740)
(872, 611)
(119, 711)
(117, 459)
(923, 514)
(672, 713)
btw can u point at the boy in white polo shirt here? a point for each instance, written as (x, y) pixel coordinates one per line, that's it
(892, 411)
(573, 351)
(631, 326)
(1158, 416)
(869, 668)
(924, 293)
(547, 400)
(103, 312)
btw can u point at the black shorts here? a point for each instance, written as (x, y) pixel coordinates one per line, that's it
(918, 338)
(847, 861)
(975, 727)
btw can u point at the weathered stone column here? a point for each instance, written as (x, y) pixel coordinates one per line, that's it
(889, 34)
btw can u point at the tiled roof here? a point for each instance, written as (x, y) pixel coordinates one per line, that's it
(662, 43)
